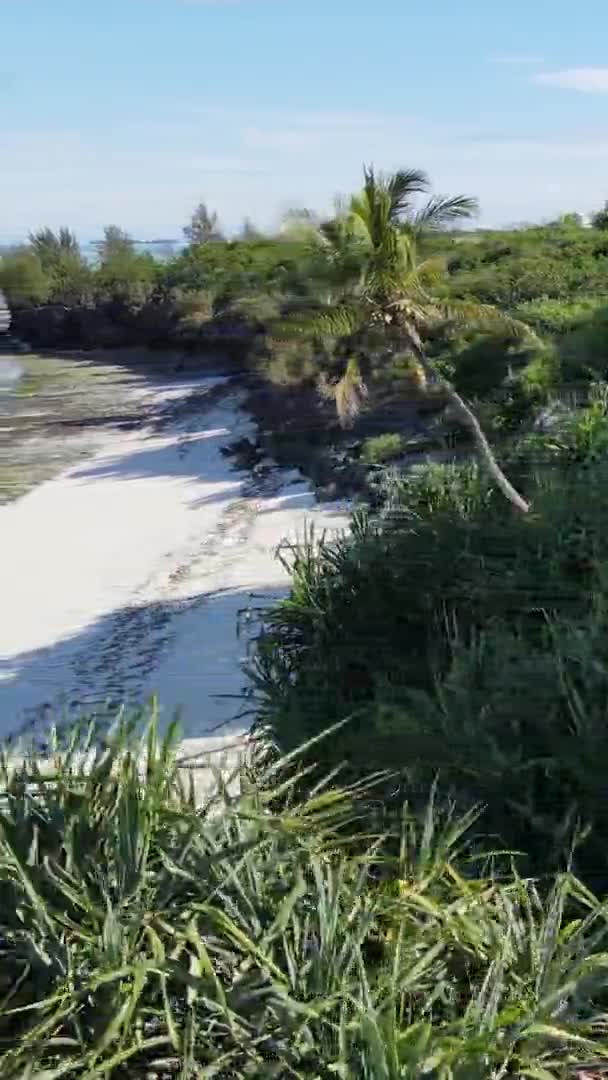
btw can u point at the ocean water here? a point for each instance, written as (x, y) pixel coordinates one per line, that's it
(160, 249)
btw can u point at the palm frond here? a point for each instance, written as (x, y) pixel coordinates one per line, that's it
(411, 312)
(423, 276)
(335, 322)
(385, 200)
(338, 238)
(395, 278)
(370, 182)
(465, 312)
(401, 186)
(350, 392)
(359, 214)
(370, 214)
(440, 211)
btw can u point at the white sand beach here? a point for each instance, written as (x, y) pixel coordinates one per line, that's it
(124, 576)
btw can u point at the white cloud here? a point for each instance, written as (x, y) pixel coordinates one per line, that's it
(516, 58)
(283, 140)
(325, 119)
(302, 132)
(589, 80)
(254, 162)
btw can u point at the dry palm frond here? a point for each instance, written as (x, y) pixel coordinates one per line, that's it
(350, 393)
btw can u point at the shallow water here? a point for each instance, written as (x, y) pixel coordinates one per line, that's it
(52, 410)
(11, 372)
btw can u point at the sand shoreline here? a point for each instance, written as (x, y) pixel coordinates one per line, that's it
(124, 575)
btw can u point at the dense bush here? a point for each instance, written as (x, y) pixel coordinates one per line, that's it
(560, 261)
(23, 279)
(558, 317)
(584, 351)
(128, 277)
(495, 621)
(256, 935)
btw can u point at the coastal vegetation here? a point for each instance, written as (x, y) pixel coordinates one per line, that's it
(506, 318)
(412, 879)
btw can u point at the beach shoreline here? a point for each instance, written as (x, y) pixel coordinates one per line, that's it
(126, 575)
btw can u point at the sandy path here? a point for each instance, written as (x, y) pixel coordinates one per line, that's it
(124, 576)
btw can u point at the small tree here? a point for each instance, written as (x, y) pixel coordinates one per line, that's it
(204, 227)
(124, 274)
(23, 279)
(299, 223)
(52, 247)
(115, 244)
(599, 219)
(570, 220)
(68, 273)
(127, 277)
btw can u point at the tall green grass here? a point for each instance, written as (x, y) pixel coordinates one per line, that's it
(265, 936)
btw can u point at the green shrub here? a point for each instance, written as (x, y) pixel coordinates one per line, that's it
(380, 449)
(23, 279)
(543, 266)
(584, 352)
(378, 617)
(558, 316)
(290, 364)
(136, 928)
(481, 362)
(540, 376)
(511, 375)
(255, 937)
(126, 276)
(518, 722)
(238, 268)
(71, 280)
(193, 310)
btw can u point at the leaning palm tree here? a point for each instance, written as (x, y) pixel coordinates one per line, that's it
(387, 297)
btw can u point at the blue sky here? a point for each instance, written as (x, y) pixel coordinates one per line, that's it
(132, 111)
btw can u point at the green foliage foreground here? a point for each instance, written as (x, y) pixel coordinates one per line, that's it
(261, 936)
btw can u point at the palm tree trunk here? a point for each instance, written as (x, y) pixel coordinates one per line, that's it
(470, 421)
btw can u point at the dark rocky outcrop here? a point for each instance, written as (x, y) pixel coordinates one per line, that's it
(43, 327)
(155, 324)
